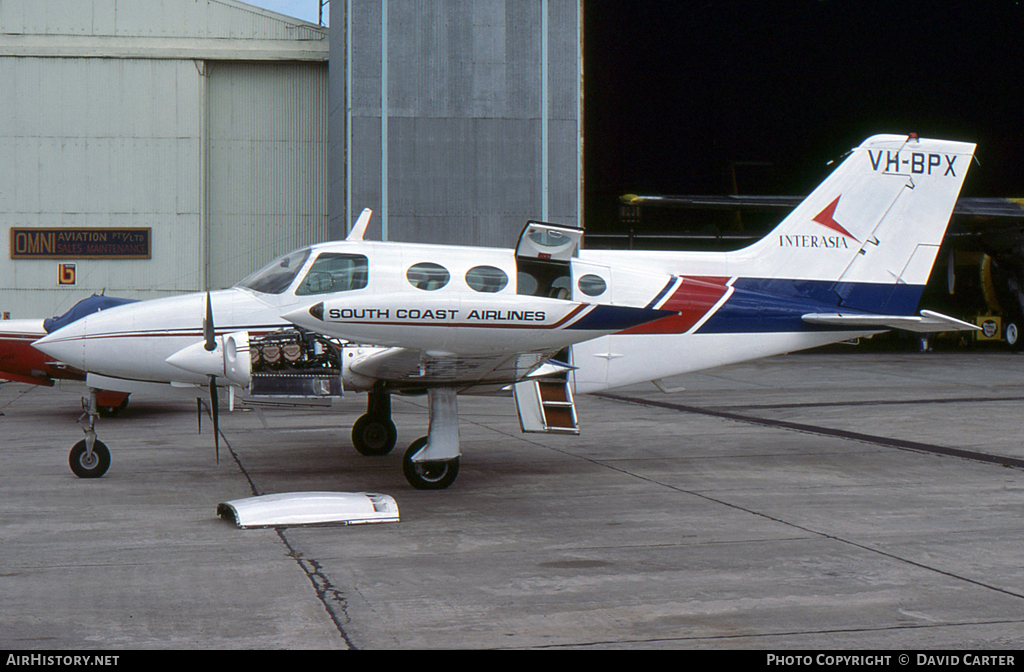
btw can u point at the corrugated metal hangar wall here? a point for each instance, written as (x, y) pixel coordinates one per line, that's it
(203, 121)
(455, 120)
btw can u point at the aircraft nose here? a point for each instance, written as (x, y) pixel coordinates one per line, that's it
(67, 344)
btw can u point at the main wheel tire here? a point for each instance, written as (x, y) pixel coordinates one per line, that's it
(86, 466)
(436, 475)
(374, 436)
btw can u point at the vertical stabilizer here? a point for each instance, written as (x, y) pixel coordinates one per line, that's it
(876, 223)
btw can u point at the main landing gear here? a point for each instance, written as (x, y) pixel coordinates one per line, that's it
(432, 461)
(374, 434)
(90, 457)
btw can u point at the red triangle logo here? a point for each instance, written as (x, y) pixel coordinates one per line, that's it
(827, 219)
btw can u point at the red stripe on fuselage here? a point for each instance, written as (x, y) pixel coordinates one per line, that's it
(693, 298)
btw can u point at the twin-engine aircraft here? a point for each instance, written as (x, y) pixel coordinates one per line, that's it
(539, 323)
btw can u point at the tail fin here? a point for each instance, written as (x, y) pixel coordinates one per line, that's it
(874, 224)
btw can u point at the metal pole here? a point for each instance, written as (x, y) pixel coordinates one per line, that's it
(384, 121)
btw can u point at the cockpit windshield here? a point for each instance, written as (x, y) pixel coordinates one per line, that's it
(278, 275)
(335, 272)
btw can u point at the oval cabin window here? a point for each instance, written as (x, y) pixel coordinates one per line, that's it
(486, 279)
(592, 285)
(428, 277)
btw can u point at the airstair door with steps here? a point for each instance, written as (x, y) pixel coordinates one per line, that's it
(546, 406)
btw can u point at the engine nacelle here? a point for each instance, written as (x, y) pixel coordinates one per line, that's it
(228, 359)
(351, 356)
(288, 363)
(237, 361)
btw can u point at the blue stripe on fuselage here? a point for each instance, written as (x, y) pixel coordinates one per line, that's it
(617, 318)
(776, 305)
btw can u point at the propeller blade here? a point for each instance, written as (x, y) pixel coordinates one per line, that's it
(199, 415)
(215, 412)
(208, 330)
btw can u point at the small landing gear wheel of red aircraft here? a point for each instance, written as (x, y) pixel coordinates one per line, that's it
(434, 475)
(89, 465)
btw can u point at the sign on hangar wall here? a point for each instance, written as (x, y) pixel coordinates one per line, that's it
(91, 243)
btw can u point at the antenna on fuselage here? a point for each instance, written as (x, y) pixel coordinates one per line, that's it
(359, 228)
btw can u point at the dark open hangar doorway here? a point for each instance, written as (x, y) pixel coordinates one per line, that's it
(678, 93)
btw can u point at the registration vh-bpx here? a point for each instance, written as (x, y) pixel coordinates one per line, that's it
(540, 323)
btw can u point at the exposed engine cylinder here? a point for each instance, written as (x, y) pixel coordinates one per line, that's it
(294, 351)
(295, 363)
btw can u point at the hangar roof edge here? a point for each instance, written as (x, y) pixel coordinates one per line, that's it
(46, 46)
(226, 29)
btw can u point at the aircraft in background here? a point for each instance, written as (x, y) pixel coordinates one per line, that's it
(540, 322)
(22, 363)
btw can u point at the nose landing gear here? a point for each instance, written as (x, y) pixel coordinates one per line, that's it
(90, 457)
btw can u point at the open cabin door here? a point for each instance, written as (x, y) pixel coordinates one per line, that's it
(550, 242)
(544, 256)
(546, 406)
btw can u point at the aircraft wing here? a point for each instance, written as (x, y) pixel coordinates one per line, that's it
(927, 322)
(411, 368)
(716, 202)
(1012, 208)
(990, 207)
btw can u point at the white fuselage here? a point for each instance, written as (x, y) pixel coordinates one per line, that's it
(134, 341)
(861, 245)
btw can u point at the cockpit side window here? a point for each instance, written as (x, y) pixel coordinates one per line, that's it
(277, 276)
(335, 272)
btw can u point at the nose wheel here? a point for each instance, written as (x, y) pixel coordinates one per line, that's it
(86, 463)
(90, 457)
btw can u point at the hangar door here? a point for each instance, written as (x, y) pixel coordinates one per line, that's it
(266, 164)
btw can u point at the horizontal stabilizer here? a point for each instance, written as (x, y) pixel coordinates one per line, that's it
(968, 206)
(927, 322)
